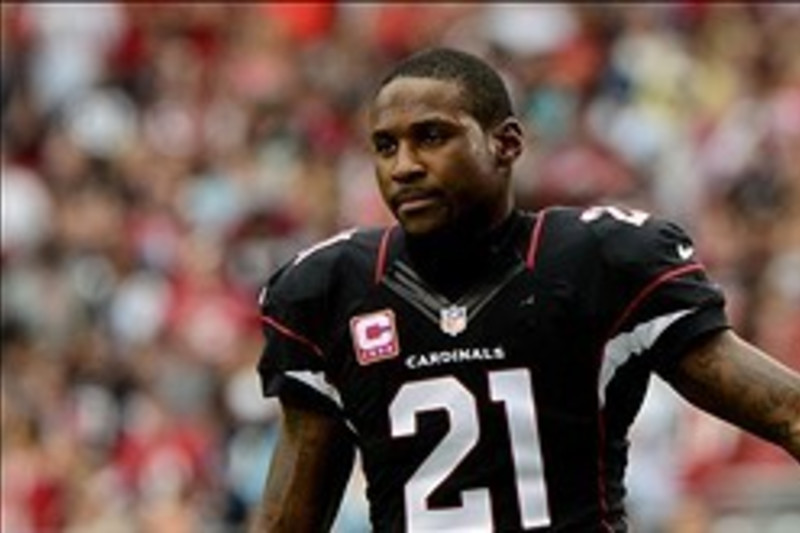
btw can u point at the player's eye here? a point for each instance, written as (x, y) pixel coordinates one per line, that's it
(430, 135)
(384, 145)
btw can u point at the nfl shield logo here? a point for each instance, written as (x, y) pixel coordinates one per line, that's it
(453, 319)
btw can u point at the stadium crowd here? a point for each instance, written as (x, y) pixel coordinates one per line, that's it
(158, 161)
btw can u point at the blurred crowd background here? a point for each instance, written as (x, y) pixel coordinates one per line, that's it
(158, 161)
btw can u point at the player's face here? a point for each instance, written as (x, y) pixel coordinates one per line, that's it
(436, 166)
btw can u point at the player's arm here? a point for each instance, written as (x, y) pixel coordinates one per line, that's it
(310, 468)
(735, 381)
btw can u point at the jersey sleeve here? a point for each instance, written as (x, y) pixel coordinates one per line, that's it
(293, 316)
(662, 298)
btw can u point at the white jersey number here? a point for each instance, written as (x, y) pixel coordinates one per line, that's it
(513, 389)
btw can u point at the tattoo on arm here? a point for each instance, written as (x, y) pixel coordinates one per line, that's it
(739, 383)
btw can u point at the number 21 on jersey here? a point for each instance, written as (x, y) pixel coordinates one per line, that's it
(513, 389)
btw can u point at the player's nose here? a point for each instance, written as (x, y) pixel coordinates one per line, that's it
(407, 165)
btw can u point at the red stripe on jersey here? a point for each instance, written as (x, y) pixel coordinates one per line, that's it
(291, 334)
(380, 264)
(644, 293)
(533, 246)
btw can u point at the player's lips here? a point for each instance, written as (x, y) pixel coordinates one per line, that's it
(413, 200)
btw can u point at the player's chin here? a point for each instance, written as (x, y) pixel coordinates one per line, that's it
(422, 224)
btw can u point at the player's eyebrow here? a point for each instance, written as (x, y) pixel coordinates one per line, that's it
(425, 122)
(447, 124)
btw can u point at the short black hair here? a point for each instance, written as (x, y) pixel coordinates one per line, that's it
(484, 92)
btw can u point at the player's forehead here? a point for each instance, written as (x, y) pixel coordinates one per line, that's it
(408, 100)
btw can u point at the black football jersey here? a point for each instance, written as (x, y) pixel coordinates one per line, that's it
(506, 406)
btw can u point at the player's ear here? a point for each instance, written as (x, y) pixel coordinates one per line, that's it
(507, 142)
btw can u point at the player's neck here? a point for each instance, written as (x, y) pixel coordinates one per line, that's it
(464, 235)
(453, 260)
